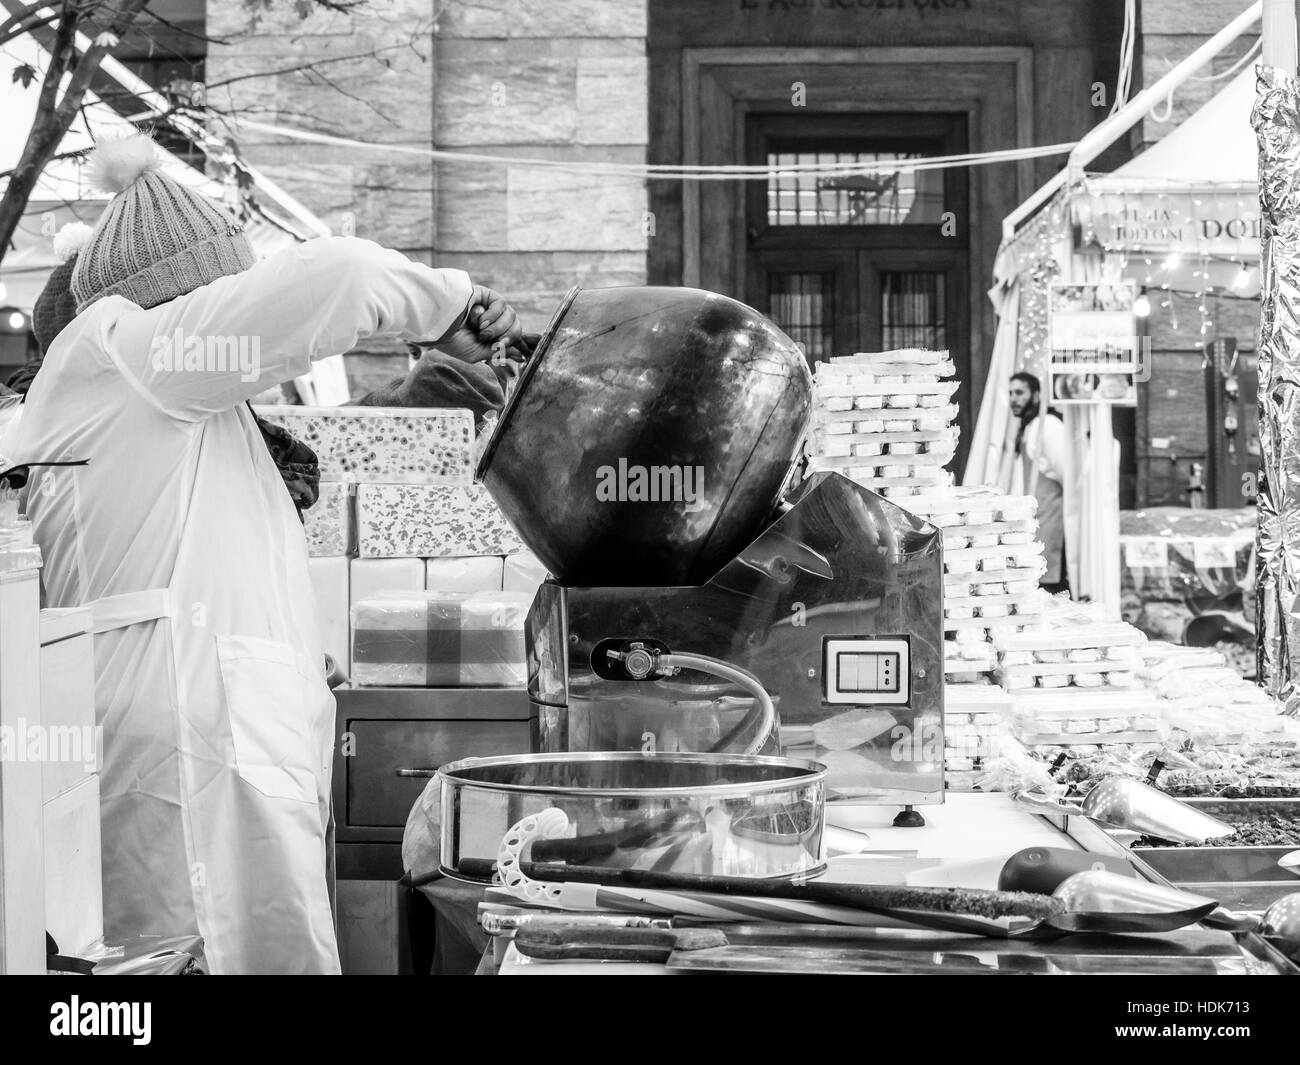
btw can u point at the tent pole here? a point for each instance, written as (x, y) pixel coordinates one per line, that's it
(1279, 35)
(1110, 129)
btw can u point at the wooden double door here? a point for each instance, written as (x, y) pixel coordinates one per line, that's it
(860, 262)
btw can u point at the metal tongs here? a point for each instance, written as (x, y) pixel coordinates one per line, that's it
(1127, 804)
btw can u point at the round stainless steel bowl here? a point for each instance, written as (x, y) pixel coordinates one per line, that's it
(724, 815)
(649, 436)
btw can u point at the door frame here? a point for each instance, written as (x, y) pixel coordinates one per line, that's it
(721, 86)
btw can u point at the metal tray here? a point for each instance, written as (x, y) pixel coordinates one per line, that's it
(1094, 838)
(1241, 878)
(1234, 810)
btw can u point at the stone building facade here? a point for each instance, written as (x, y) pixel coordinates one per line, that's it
(520, 79)
(683, 82)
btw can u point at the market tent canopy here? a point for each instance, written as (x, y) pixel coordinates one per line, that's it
(1213, 146)
(1194, 192)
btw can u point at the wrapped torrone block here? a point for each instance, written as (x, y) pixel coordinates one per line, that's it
(1073, 716)
(1083, 656)
(975, 719)
(523, 573)
(992, 560)
(373, 577)
(885, 420)
(425, 640)
(431, 521)
(329, 524)
(470, 573)
(404, 445)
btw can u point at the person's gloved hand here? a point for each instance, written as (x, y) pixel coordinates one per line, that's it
(489, 328)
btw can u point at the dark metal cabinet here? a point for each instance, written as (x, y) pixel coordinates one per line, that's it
(389, 742)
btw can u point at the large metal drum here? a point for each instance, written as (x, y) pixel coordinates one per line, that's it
(650, 436)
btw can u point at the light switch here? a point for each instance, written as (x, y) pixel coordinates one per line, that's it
(867, 670)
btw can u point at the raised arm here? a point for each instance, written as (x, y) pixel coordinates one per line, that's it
(221, 344)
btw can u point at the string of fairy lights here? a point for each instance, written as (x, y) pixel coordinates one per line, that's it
(1177, 243)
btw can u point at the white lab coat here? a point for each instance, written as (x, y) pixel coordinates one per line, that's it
(1040, 472)
(218, 727)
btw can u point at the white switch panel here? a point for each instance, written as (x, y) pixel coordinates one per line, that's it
(868, 670)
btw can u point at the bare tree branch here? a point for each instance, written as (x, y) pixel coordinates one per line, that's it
(374, 53)
(182, 30)
(353, 96)
(105, 22)
(54, 115)
(26, 20)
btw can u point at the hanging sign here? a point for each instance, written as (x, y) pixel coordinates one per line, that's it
(1146, 552)
(1224, 222)
(1095, 354)
(1214, 553)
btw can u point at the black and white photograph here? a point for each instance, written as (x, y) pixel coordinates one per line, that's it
(497, 488)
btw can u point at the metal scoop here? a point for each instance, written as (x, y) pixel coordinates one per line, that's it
(1280, 925)
(1121, 802)
(1290, 862)
(1104, 902)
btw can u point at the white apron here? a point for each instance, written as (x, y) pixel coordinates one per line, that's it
(1038, 472)
(180, 536)
(218, 750)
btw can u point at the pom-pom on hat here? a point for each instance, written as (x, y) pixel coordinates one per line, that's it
(56, 306)
(156, 239)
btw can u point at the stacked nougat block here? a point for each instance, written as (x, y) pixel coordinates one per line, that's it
(975, 720)
(399, 516)
(992, 563)
(886, 420)
(1085, 656)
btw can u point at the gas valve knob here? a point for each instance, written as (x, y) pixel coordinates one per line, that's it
(637, 662)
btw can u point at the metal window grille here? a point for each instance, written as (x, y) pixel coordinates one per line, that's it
(893, 198)
(804, 306)
(913, 310)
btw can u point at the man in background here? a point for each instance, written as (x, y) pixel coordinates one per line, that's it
(1033, 463)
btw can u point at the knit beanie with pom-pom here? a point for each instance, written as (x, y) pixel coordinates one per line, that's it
(156, 239)
(56, 306)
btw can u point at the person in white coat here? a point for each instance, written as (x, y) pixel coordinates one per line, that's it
(218, 726)
(1034, 464)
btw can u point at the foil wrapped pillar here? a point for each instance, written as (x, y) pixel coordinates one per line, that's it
(1276, 119)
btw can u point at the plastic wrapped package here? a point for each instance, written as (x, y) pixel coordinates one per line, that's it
(1177, 553)
(421, 639)
(1079, 715)
(467, 573)
(1009, 767)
